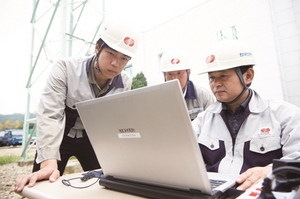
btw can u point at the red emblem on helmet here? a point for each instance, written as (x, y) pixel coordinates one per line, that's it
(210, 59)
(175, 61)
(128, 41)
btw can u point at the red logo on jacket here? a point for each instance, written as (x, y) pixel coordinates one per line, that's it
(265, 131)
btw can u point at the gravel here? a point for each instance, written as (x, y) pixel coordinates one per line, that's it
(9, 173)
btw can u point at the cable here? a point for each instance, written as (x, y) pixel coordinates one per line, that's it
(86, 176)
(67, 182)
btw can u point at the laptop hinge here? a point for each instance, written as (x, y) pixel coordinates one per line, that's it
(151, 191)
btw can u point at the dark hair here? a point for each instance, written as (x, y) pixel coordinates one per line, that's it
(100, 42)
(245, 68)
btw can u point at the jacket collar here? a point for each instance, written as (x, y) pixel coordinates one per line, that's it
(118, 81)
(190, 91)
(257, 104)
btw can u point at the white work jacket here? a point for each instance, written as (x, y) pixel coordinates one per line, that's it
(271, 131)
(197, 99)
(67, 84)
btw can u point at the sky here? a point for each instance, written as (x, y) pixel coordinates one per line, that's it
(15, 40)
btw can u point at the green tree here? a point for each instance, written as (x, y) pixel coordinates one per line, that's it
(139, 81)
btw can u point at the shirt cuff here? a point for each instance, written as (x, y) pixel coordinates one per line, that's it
(46, 154)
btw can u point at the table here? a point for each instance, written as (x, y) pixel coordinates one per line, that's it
(57, 189)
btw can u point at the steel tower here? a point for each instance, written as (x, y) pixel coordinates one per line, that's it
(60, 28)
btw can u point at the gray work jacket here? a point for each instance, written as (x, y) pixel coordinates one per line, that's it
(271, 131)
(197, 99)
(67, 84)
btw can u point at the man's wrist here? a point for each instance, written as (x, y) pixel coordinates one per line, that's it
(49, 163)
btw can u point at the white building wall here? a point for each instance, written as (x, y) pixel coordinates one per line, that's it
(287, 27)
(270, 27)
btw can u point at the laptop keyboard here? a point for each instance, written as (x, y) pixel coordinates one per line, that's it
(215, 183)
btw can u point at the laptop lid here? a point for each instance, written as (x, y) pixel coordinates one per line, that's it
(145, 135)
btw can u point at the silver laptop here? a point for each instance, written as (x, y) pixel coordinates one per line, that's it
(145, 135)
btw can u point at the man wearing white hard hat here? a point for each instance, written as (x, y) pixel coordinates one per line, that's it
(175, 64)
(242, 133)
(60, 131)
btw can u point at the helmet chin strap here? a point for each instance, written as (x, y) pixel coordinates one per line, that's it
(240, 75)
(96, 60)
(96, 66)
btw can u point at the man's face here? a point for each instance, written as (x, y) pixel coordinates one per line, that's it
(111, 62)
(225, 84)
(181, 75)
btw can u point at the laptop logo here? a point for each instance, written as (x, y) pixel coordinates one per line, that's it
(128, 130)
(128, 133)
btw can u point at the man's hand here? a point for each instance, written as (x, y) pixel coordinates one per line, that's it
(48, 171)
(252, 176)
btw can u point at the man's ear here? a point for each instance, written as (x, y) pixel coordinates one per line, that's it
(249, 76)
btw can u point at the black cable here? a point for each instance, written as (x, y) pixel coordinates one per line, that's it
(67, 182)
(86, 176)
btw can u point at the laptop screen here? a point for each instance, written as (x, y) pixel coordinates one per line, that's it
(145, 135)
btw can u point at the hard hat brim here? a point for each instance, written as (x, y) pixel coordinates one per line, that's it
(220, 68)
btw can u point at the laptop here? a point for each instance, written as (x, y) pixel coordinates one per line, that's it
(145, 136)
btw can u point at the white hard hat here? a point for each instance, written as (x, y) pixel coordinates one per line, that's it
(174, 59)
(228, 54)
(120, 37)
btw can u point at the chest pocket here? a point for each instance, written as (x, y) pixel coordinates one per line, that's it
(210, 143)
(213, 151)
(265, 144)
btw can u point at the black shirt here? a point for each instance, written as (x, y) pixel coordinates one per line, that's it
(234, 120)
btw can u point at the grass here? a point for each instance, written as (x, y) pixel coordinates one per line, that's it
(9, 159)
